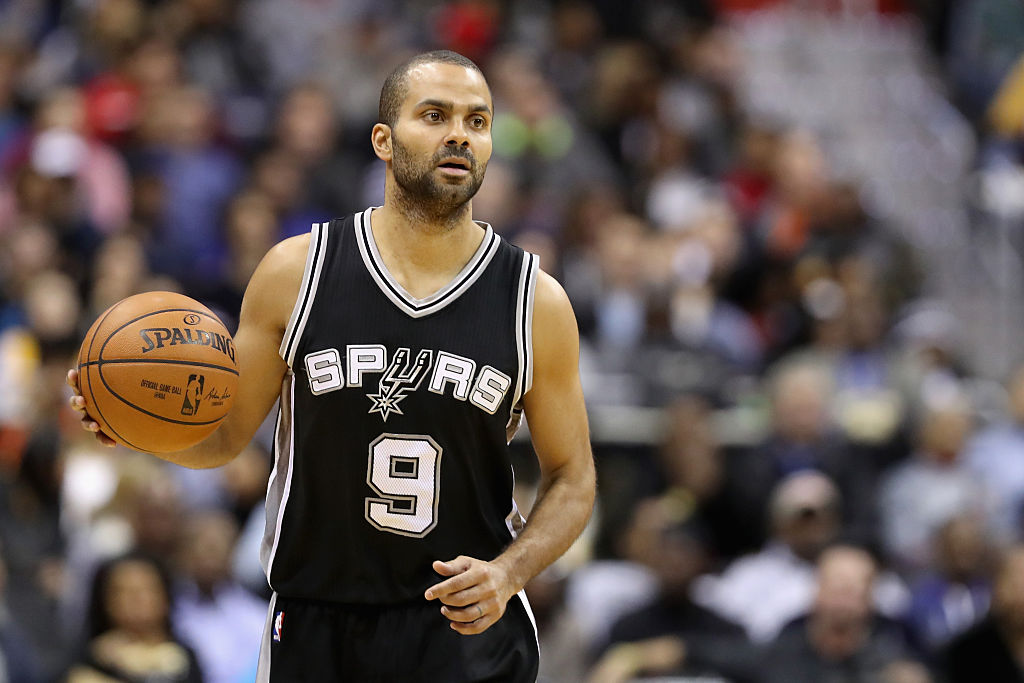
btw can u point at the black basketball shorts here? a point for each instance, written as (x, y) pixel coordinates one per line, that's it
(321, 642)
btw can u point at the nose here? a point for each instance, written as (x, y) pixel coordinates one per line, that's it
(457, 136)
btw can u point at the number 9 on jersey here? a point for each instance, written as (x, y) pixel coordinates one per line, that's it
(404, 471)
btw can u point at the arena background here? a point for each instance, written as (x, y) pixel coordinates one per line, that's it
(791, 232)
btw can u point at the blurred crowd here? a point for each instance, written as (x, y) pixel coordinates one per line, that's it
(800, 478)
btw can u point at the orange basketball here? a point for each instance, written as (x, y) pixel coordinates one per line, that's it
(158, 372)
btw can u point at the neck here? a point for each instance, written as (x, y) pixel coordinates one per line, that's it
(422, 215)
(154, 634)
(409, 235)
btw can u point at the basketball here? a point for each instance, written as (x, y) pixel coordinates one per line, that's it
(158, 372)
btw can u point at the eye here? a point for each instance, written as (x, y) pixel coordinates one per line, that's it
(479, 121)
(433, 116)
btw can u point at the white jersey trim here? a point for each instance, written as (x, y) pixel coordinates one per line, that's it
(284, 445)
(529, 612)
(307, 292)
(525, 295)
(531, 294)
(406, 302)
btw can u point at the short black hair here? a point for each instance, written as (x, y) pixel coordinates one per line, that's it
(395, 87)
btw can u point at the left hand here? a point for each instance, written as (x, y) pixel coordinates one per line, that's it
(475, 594)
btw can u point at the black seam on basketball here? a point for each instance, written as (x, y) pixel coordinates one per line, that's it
(320, 236)
(92, 394)
(161, 361)
(146, 412)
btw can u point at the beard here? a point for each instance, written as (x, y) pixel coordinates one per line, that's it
(420, 186)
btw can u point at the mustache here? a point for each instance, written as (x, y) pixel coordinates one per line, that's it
(455, 152)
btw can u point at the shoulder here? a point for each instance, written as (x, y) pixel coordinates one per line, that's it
(287, 256)
(274, 285)
(550, 295)
(555, 334)
(551, 307)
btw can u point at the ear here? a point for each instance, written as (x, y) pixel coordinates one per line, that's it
(380, 138)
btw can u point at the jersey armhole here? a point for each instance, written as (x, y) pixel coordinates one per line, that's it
(307, 292)
(525, 294)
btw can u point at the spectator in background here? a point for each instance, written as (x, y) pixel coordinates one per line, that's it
(216, 55)
(993, 649)
(693, 467)
(221, 621)
(702, 257)
(842, 637)
(765, 591)
(539, 136)
(605, 589)
(671, 634)
(197, 177)
(802, 437)
(121, 271)
(930, 361)
(748, 183)
(64, 147)
(11, 123)
(986, 37)
(251, 229)
(919, 496)
(115, 505)
(18, 659)
(559, 633)
(613, 295)
(994, 455)
(952, 597)
(308, 132)
(1005, 116)
(848, 321)
(800, 173)
(130, 634)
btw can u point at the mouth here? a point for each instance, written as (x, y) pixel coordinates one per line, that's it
(454, 166)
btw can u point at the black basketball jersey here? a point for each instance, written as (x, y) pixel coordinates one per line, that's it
(391, 448)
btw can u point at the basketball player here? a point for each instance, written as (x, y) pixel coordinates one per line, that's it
(405, 342)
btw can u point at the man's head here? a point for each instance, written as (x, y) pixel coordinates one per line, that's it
(945, 425)
(801, 393)
(664, 536)
(209, 541)
(962, 548)
(804, 511)
(846, 577)
(434, 131)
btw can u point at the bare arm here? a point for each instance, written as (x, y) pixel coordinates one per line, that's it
(269, 299)
(477, 592)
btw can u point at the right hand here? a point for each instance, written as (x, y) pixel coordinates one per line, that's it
(78, 403)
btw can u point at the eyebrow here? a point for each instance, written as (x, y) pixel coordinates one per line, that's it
(449, 106)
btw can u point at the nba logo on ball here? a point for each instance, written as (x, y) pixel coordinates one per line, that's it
(193, 394)
(278, 625)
